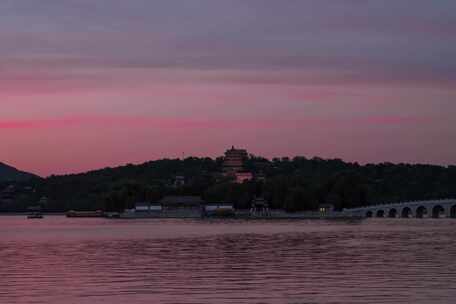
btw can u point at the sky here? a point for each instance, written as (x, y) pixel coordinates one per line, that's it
(86, 84)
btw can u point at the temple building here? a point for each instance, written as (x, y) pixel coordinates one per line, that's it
(182, 206)
(242, 177)
(234, 161)
(219, 210)
(260, 207)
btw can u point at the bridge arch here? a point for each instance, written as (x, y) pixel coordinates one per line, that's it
(406, 212)
(392, 213)
(453, 211)
(369, 214)
(380, 213)
(438, 211)
(421, 212)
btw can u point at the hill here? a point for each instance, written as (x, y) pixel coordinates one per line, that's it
(295, 184)
(11, 174)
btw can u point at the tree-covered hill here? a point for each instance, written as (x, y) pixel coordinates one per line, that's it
(8, 174)
(294, 184)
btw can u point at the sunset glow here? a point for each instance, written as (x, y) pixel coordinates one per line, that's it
(86, 84)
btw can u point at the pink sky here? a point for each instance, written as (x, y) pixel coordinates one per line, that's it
(84, 85)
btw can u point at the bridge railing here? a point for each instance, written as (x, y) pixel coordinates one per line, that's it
(444, 200)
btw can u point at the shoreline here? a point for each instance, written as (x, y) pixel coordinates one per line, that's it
(164, 216)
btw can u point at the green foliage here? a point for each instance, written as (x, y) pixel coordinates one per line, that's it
(293, 184)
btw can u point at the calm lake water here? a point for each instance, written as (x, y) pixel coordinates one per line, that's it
(60, 260)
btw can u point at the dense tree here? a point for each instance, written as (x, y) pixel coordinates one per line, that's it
(294, 184)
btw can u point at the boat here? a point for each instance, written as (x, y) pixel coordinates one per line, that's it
(35, 215)
(34, 212)
(82, 214)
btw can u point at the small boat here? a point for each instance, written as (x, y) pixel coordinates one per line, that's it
(35, 215)
(112, 215)
(34, 212)
(83, 214)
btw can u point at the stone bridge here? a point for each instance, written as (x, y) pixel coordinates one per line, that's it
(445, 208)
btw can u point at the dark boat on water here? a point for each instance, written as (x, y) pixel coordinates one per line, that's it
(34, 212)
(35, 215)
(85, 214)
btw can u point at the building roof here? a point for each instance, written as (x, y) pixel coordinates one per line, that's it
(239, 152)
(215, 207)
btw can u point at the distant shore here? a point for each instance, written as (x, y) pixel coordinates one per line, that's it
(26, 213)
(239, 216)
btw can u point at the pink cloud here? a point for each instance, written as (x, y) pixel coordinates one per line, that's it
(171, 123)
(84, 143)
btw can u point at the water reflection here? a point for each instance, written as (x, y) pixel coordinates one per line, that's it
(60, 260)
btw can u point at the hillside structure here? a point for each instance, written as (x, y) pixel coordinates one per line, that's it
(234, 161)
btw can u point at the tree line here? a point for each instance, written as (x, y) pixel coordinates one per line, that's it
(296, 184)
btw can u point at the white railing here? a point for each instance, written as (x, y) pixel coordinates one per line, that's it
(445, 200)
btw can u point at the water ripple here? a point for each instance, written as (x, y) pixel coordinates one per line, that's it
(61, 260)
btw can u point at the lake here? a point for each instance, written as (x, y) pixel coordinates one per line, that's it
(61, 260)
